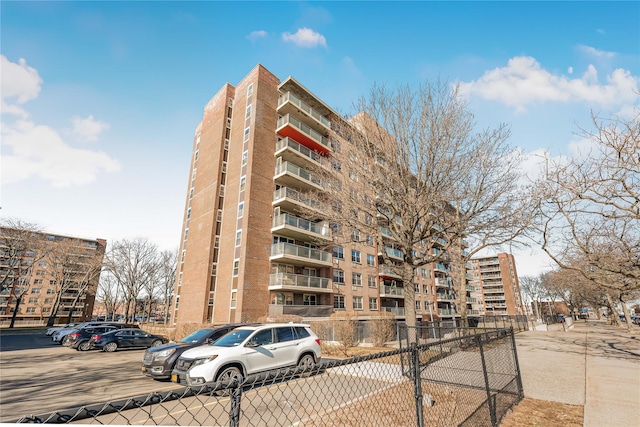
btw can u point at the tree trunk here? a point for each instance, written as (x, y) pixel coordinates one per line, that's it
(15, 311)
(54, 310)
(409, 302)
(627, 316)
(613, 313)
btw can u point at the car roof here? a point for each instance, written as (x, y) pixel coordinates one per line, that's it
(271, 325)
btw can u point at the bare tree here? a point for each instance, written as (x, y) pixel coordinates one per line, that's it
(22, 249)
(108, 294)
(533, 287)
(590, 207)
(167, 279)
(413, 174)
(133, 264)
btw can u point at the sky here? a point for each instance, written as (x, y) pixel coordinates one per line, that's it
(100, 100)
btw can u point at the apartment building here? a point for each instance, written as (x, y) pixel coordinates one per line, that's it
(251, 247)
(497, 279)
(48, 272)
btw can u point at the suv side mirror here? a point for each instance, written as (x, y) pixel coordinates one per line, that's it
(252, 344)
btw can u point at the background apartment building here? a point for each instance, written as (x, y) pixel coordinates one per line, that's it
(48, 272)
(497, 278)
(251, 245)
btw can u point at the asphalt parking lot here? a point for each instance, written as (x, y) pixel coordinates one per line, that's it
(39, 376)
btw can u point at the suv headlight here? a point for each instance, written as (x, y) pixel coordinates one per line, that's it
(164, 353)
(204, 360)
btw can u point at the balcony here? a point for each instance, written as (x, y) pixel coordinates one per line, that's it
(299, 282)
(444, 297)
(441, 267)
(291, 150)
(391, 292)
(276, 310)
(290, 199)
(471, 288)
(393, 253)
(300, 255)
(293, 175)
(474, 312)
(298, 228)
(499, 290)
(289, 103)
(387, 272)
(446, 312)
(386, 233)
(293, 128)
(440, 282)
(398, 311)
(494, 298)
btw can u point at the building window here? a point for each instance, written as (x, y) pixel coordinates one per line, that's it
(236, 267)
(184, 252)
(51, 291)
(309, 299)
(369, 240)
(355, 256)
(238, 237)
(416, 288)
(234, 298)
(247, 113)
(356, 279)
(250, 90)
(373, 304)
(418, 305)
(357, 303)
(337, 147)
(338, 302)
(240, 209)
(355, 235)
(283, 298)
(338, 252)
(371, 281)
(33, 300)
(371, 260)
(31, 309)
(423, 273)
(425, 289)
(247, 131)
(35, 290)
(180, 279)
(243, 183)
(37, 282)
(353, 175)
(338, 276)
(245, 157)
(368, 219)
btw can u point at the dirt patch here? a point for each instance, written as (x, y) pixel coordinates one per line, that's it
(534, 413)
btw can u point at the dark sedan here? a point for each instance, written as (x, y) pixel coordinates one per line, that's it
(126, 338)
(158, 362)
(79, 338)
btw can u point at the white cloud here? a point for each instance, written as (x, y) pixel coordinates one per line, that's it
(596, 53)
(37, 150)
(19, 83)
(305, 37)
(570, 70)
(29, 149)
(523, 81)
(88, 129)
(255, 35)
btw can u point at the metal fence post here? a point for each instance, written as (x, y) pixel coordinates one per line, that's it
(515, 359)
(236, 397)
(417, 385)
(492, 409)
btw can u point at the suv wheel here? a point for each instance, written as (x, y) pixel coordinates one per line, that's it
(228, 374)
(84, 346)
(306, 362)
(110, 347)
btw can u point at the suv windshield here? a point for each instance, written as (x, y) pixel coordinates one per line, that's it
(233, 338)
(197, 336)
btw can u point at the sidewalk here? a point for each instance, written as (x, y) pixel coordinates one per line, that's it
(592, 364)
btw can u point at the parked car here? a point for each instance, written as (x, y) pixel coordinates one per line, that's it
(59, 335)
(55, 329)
(248, 350)
(126, 338)
(79, 338)
(158, 362)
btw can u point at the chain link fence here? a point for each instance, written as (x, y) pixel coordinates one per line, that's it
(471, 380)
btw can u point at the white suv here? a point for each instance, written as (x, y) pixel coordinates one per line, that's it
(247, 350)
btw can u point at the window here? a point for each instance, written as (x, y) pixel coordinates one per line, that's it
(245, 157)
(180, 279)
(418, 305)
(250, 90)
(338, 301)
(423, 273)
(247, 131)
(425, 289)
(35, 290)
(356, 279)
(33, 300)
(42, 264)
(50, 291)
(309, 299)
(234, 298)
(369, 240)
(355, 235)
(371, 281)
(368, 219)
(48, 300)
(283, 298)
(373, 304)
(31, 309)
(336, 165)
(247, 113)
(337, 147)
(243, 183)
(37, 282)
(357, 303)
(338, 276)
(240, 209)
(184, 252)
(355, 256)
(353, 175)
(371, 260)
(338, 252)
(236, 267)
(416, 288)
(238, 237)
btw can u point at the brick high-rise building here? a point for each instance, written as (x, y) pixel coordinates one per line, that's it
(498, 280)
(48, 273)
(248, 250)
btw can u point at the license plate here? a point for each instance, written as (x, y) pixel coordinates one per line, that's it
(174, 378)
(144, 369)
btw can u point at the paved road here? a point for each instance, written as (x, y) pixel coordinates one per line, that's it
(39, 376)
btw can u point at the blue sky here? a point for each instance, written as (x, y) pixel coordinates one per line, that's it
(100, 99)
